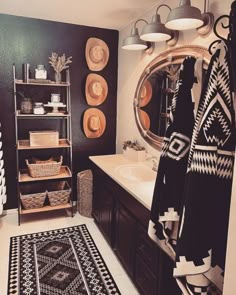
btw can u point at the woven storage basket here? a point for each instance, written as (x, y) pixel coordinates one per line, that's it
(85, 192)
(59, 197)
(44, 168)
(31, 199)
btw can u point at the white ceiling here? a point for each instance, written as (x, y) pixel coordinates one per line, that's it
(112, 14)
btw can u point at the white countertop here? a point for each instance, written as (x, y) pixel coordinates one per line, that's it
(140, 190)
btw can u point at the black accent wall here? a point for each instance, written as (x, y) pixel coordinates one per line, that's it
(27, 40)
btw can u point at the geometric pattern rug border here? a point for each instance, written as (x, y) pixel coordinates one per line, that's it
(23, 273)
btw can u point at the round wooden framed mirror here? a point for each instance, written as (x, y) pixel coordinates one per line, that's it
(155, 90)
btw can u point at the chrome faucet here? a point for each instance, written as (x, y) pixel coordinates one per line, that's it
(154, 162)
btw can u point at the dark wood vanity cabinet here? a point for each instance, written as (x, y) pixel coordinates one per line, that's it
(124, 222)
(125, 229)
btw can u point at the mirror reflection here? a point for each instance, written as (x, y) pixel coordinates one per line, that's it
(156, 88)
(155, 99)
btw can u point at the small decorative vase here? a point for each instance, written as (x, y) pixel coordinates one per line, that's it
(26, 106)
(58, 77)
(38, 108)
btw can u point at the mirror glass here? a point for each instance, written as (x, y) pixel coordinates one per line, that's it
(156, 88)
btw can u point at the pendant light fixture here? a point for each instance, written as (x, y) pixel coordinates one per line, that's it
(186, 17)
(155, 31)
(133, 42)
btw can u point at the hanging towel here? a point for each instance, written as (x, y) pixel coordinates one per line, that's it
(168, 191)
(3, 196)
(201, 246)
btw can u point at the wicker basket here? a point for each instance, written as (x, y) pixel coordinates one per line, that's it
(59, 197)
(44, 168)
(32, 197)
(85, 192)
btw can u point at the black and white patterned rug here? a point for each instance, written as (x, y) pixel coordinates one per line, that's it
(63, 261)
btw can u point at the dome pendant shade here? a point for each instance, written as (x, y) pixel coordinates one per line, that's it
(184, 17)
(133, 42)
(155, 31)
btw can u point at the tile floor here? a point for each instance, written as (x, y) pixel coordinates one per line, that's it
(53, 220)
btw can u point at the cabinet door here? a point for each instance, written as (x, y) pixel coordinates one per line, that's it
(146, 263)
(147, 250)
(167, 283)
(125, 238)
(96, 199)
(106, 212)
(103, 206)
(144, 279)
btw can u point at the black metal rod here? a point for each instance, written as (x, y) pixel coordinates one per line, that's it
(223, 26)
(140, 19)
(162, 5)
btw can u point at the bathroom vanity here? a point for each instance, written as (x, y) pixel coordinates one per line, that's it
(121, 208)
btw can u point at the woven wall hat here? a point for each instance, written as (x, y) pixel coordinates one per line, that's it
(96, 54)
(94, 123)
(96, 89)
(145, 94)
(145, 120)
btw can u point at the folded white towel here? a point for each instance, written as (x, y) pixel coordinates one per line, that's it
(3, 195)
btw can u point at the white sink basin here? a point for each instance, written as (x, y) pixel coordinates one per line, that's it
(136, 172)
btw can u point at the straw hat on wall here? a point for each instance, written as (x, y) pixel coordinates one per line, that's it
(96, 89)
(146, 94)
(96, 54)
(145, 120)
(94, 123)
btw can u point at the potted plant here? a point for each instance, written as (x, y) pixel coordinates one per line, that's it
(134, 151)
(59, 63)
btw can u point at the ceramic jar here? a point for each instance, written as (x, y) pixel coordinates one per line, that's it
(40, 72)
(38, 108)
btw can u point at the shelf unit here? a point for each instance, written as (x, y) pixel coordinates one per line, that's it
(47, 116)
(45, 209)
(23, 144)
(24, 176)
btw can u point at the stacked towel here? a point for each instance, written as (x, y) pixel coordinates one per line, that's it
(3, 196)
